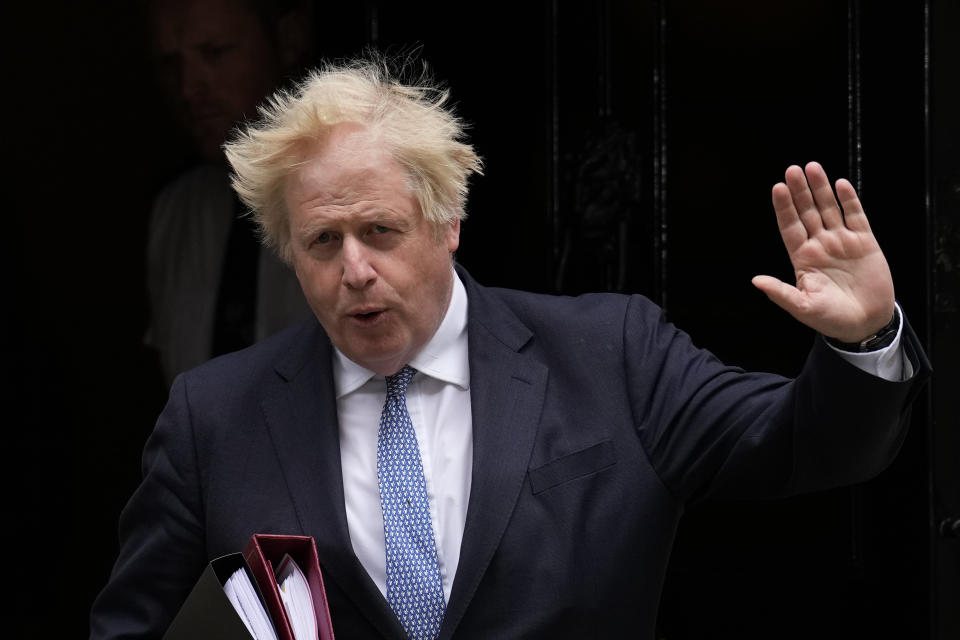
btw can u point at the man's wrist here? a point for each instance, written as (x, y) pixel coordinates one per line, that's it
(877, 341)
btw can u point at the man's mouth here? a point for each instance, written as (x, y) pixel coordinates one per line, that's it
(367, 316)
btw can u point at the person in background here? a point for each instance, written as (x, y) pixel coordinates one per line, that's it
(212, 287)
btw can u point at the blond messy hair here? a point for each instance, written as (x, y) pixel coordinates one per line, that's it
(410, 119)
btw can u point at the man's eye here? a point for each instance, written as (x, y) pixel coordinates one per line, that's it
(323, 238)
(213, 52)
(380, 228)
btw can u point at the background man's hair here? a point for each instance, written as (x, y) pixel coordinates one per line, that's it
(395, 99)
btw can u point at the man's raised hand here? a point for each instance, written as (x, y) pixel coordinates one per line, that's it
(844, 288)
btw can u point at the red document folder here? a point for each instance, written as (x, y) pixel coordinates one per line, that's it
(207, 612)
(263, 554)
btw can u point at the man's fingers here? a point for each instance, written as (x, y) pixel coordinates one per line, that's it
(853, 215)
(826, 202)
(785, 296)
(803, 200)
(792, 230)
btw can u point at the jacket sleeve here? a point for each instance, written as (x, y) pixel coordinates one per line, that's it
(716, 430)
(161, 536)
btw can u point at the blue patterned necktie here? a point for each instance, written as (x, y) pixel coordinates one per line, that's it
(414, 587)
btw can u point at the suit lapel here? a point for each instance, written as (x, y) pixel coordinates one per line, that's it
(507, 391)
(302, 420)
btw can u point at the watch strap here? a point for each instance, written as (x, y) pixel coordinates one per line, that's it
(880, 340)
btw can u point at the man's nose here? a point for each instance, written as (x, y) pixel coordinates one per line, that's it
(357, 270)
(194, 79)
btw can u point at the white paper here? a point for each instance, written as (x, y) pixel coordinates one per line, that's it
(243, 596)
(297, 600)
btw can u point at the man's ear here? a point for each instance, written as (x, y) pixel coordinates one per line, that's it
(452, 236)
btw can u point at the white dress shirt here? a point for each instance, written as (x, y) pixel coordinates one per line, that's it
(438, 400)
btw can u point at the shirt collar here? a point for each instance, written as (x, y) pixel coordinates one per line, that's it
(445, 357)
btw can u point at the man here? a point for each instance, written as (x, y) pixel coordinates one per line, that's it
(521, 460)
(212, 289)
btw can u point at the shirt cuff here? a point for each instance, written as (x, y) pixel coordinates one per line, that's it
(888, 363)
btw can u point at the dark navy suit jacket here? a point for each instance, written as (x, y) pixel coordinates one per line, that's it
(594, 423)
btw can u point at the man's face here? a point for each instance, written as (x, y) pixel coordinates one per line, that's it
(215, 64)
(371, 267)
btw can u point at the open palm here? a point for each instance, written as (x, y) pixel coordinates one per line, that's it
(844, 288)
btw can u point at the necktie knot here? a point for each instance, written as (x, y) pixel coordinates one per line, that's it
(398, 382)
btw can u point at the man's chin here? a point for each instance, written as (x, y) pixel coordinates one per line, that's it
(383, 361)
(212, 153)
(209, 144)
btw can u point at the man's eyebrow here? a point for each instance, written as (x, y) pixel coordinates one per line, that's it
(312, 227)
(376, 216)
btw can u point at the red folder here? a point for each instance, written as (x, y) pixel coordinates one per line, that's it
(263, 553)
(207, 612)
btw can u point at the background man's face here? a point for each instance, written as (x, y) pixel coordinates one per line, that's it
(215, 62)
(370, 266)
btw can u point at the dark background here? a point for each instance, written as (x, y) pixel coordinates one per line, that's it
(629, 146)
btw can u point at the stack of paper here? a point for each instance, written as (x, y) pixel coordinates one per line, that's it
(295, 593)
(243, 596)
(273, 590)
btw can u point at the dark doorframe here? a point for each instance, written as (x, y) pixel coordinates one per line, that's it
(943, 268)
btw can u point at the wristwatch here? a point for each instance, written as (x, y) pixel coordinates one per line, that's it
(877, 341)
